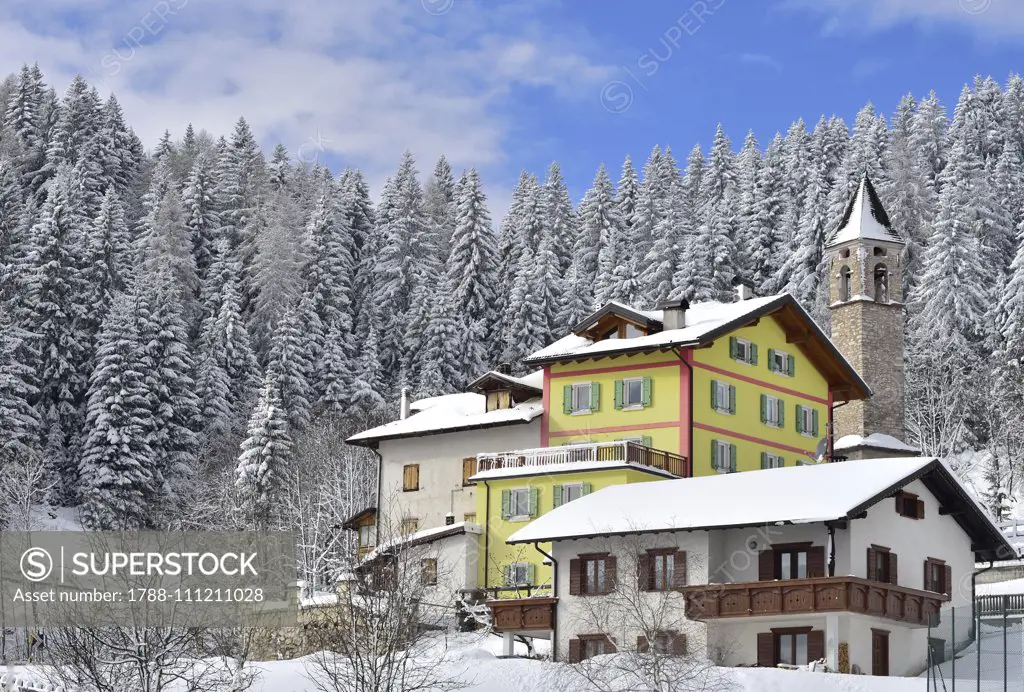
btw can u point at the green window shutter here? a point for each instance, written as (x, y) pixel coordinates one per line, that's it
(732, 346)
(556, 496)
(753, 354)
(790, 365)
(595, 396)
(732, 399)
(771, 359)
(531, 574)
(714, 455)
(764, 408)
(714, 391)
(781, 405)
(567, 399)
(648, 387)
(732, 458)
(782, 462)
(799, 418)
(587, 488)
(645, 440)
(506, 504)
(764, 460)
(618, 394)
(534, 492)
(814, 422)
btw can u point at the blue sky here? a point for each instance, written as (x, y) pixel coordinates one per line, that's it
(506, 85)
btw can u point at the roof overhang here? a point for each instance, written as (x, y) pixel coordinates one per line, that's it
(374, 442)
(493, 379)
(352, 523)
(617, 310)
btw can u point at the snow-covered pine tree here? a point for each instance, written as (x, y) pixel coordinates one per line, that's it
(354, 198)
(334, 374)
(263, 463)
(600, 223)
(442, 360)
(559, 217)
(439, 202)
(200, 210)
(290, 364)
(509, 237)
(748, 165)
(366, 399)
(78, 122)
(20, 426)
(277, 270)
(765, 232)
(574, 306)
(110, 260)
(627, 199)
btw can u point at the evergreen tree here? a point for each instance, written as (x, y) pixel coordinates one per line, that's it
(290, 364)
(559, 217)
(600, 224)
(439, 202)
(366, 399)
(20, 426)
(266, 453)
(442, 355)
(765, 233)
(748, 196)
(199, 206)
(333, 373)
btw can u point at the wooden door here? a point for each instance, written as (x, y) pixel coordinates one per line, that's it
(879, 652)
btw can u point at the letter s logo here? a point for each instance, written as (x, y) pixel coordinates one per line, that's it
(36, 564)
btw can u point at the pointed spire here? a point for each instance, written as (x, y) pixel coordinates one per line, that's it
(865, 218)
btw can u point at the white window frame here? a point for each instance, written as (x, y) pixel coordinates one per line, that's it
(568, 488)
(722, 398)
(807, 413)
(593, 647)
(513, 574)
(781, 362)
(772, 406)
(774, 461)
(725, 460)
(513, 504)
(745, 344)
(628, 405)
(578, 387)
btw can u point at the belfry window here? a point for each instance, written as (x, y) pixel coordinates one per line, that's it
(881, 284)
(844, 283)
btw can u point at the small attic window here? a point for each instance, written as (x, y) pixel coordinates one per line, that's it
(612, 333)
(844, 253)
(633, 331)
(499, 399)
(879, 252)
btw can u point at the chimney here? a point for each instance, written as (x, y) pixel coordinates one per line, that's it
(674, 313)
(403, 412)
(744, 291)
(449, 519)
(505, 368)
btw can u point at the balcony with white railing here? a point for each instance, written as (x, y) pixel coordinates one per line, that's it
(622, 452)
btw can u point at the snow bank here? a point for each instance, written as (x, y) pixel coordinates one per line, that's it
(876, 440)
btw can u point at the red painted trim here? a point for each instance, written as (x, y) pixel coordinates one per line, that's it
(619, 368)
(545, 416)
(756, 440)
(613, 428)
(761, 383)
(830, 430)
(685, 414)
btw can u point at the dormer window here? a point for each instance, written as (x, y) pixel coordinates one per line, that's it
(612, 333)
(499, 399)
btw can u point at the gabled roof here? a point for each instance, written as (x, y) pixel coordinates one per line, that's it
(352, 523)
(794, 495)
(423, 537)
(865, 218)
(493, 379)
(706, 322)
(651, 319)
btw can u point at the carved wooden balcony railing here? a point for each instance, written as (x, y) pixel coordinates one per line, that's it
(621, 452)
(521, 614)
(818, 595)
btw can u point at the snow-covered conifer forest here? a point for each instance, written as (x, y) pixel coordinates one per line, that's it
(188, 334)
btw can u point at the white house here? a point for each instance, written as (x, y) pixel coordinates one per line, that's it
(844, 562)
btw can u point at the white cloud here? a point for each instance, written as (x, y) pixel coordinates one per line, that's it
(368, 79)
(989, 18)
(761, 59)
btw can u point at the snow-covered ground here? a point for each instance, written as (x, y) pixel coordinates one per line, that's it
(991, 662)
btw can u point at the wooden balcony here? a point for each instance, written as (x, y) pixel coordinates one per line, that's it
(807, 596)
(612, 452)
(523, 614)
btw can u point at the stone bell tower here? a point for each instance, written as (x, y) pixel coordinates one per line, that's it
(865, 296)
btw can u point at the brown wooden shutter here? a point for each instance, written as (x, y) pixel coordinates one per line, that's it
(766, 565)
(899, 504)
(642, 646)
(765, 649)
(610, 574)
(679, 570)
(468, 470)
(872, 563)
(815, 645)
(575, 577)
(816, 562)
(920, 509)
(893, 577)
(411, 480)
(575, 650)
(679, 644)
(643, 571)
(947, 573)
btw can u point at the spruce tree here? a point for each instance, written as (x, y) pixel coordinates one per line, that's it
(20, 426)
(600, 225)
(290, 364)
(560, 221)
(263, 463)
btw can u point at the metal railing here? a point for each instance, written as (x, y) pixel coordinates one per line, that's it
(620, 452)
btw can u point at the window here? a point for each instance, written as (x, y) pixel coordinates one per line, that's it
(366, 535)
(410, 525)
(468, 470)
(773, 411)
(938, 576)
(881, 284)
(742, 350)
(669, 643)
(781, 362)
(634, 331)
(791, 564)
(793, 646)
(658, 569)
(612, 333)
(771, 461)
(428, 571)
(469, 517)
(581, 397)
(806, 421)
(909, 505)
(845, 289)
(592, 574)
(878, 252)
(519, 574)
(410, 478)
(723, 456)
(792, 649)
(569, 492)
(519, 504)
(595, 646)
(633, 393)
(499, 399)
(723, 397)
(882, 565)
(595, 576)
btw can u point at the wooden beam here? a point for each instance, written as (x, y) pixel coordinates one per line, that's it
(798, 338)
(946, 512)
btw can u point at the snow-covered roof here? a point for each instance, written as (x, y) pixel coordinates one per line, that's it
(449, 413)
(875, 440)
(1000, 588)
(534, 380)
(425, 536)
(865, 218)
(567, 467)
(701, 319)
(793, 495)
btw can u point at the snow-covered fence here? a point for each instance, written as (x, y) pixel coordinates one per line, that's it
(12, 682)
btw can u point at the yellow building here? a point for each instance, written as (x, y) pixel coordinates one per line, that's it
(631, 396)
